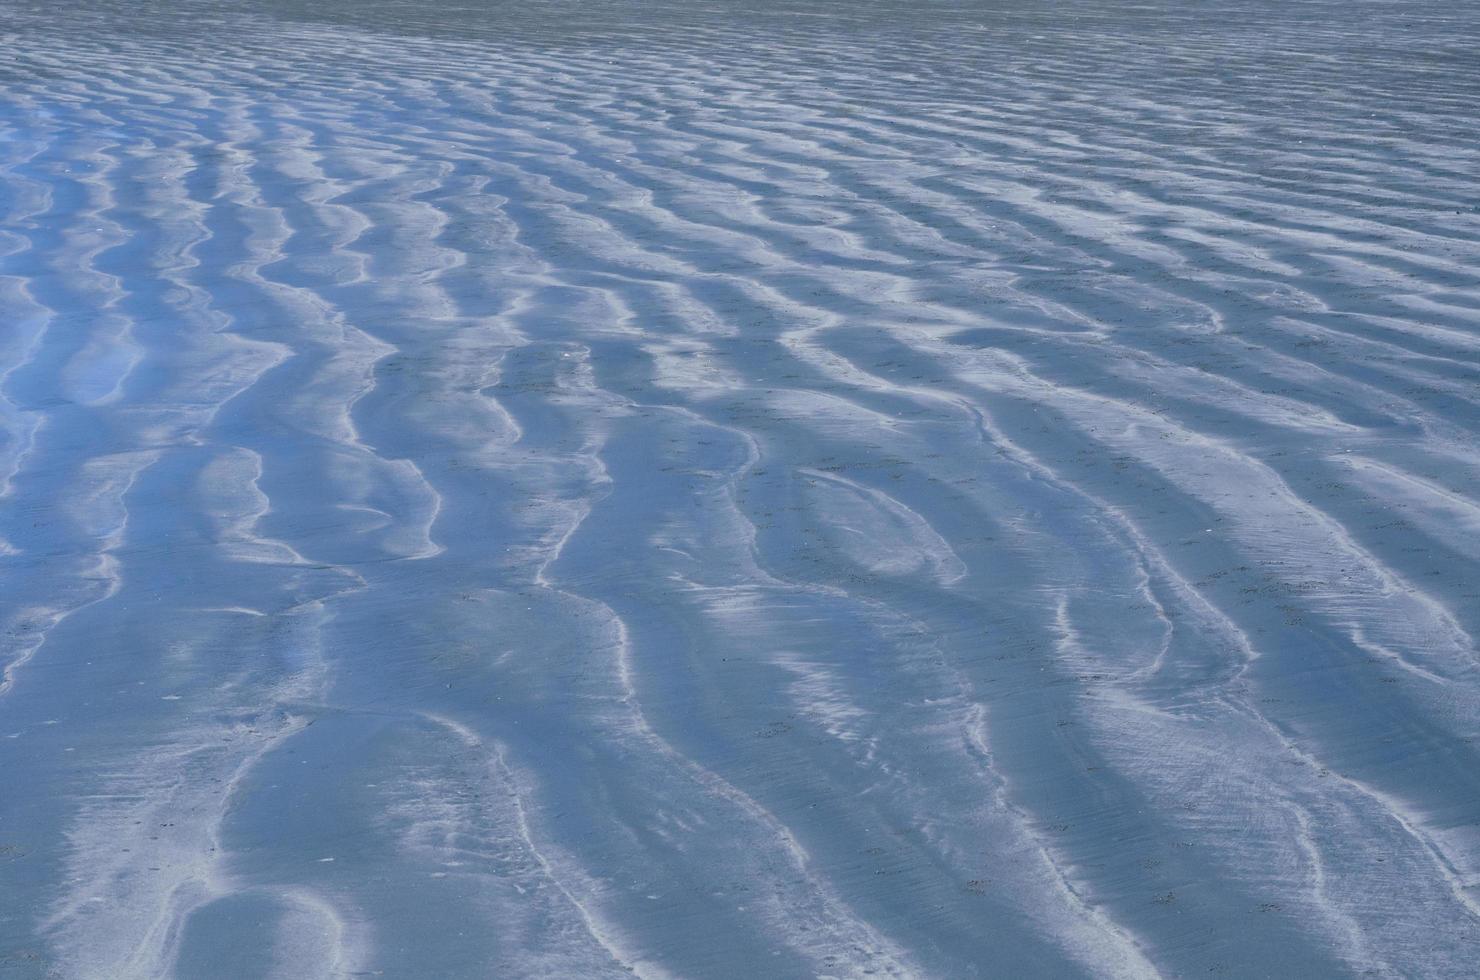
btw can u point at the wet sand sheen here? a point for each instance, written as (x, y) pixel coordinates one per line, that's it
(828, 490)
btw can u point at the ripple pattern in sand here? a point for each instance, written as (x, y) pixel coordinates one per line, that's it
(821, 490)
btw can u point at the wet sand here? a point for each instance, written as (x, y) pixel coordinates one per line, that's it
(739, 490)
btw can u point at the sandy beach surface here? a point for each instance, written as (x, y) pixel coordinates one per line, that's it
(739, 489)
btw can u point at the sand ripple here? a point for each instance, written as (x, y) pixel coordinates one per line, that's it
(787, 490)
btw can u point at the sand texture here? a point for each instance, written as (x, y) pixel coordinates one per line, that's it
(739, 490)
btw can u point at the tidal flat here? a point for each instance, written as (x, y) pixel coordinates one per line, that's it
(739, 489)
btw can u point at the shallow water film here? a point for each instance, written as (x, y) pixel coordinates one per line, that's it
(739, 490)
